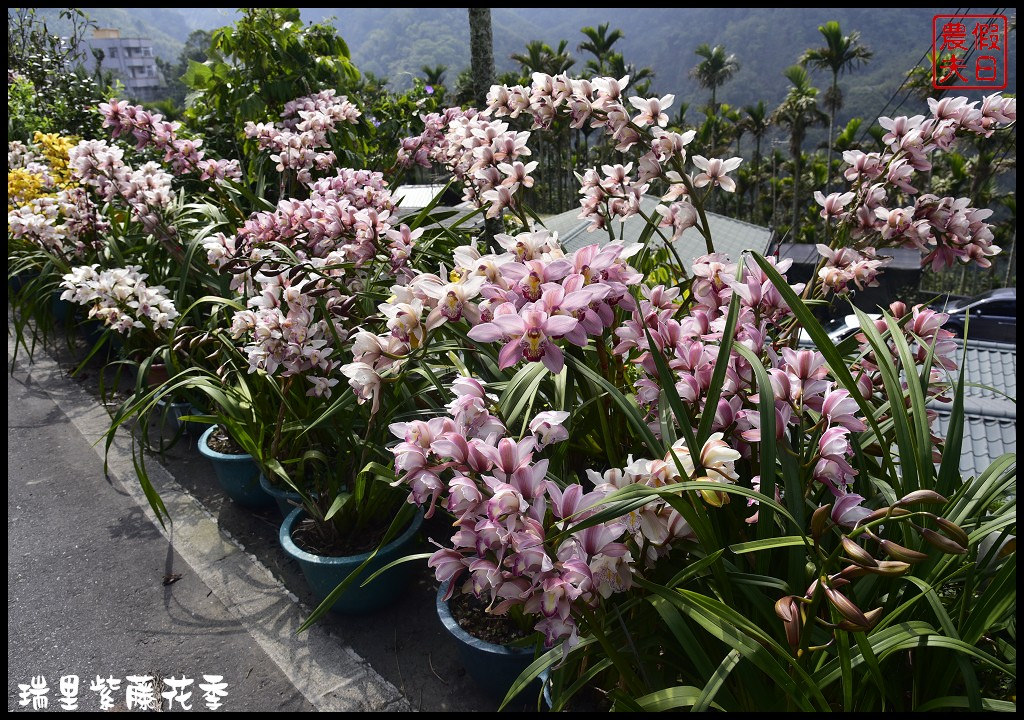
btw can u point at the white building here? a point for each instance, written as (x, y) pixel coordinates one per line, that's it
(131, 60)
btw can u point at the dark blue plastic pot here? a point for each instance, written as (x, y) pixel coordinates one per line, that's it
(19, 280)
(325, 573)
(281, 496)
(194, 427)
(170, 417)
(92, 330)
(493, 667)
(238, 475)
(60, 309)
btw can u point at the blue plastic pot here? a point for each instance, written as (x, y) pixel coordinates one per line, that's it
(238, 475)
(325, 573)
(194, 427)
(493, 667)
(281, 496)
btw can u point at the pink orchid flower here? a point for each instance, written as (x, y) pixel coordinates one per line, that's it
(715, 171)
(528, 335)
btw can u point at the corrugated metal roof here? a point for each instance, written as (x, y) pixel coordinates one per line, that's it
(730, 236)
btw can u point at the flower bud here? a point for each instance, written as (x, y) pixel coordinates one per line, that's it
(954, 531)
(846, 608)
(882, 512)
(788, 610)
(898, 552)
(853, 571)
(818, 520)
(922, 496)
(941, 542)
(872, 617)
(889, 568)
(857, 554)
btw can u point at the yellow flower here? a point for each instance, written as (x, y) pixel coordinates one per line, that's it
(55, 149)
(24, 186)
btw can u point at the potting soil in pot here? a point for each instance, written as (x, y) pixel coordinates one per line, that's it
(472, 616)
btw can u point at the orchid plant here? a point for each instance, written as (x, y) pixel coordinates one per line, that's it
(639, 459)
(302, 279)
(831, 447)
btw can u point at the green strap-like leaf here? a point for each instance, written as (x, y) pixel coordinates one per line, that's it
(909, 478)
(717, 680)
(539, 665)
(672, 698)
(768, 544)
(958, 701)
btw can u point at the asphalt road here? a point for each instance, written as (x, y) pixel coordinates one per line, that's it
(87, 576)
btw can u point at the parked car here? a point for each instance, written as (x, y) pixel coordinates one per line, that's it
(993, 315)
(837, 329)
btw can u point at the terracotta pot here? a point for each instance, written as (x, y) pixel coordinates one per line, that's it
(157, 375)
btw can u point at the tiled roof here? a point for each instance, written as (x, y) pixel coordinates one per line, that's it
(993, 365)
(416, 196)
(990, 418)
(985, 439)
(730, 236)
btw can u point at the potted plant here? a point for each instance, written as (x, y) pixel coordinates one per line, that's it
(237, 472)
(353, 544)
(485, 644)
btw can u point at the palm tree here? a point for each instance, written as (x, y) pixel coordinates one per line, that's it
(639, 78)
(714, 70)
(840, 53)
(846, 139)
(539, 57)
(599, 45)
(797, 112)
(757, 124)
(434, 75)
(481, 52)
(481, 58)
(735, 126)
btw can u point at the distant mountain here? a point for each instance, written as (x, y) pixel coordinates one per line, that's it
(396, 42)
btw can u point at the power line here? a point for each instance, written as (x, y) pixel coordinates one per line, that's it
(1005, 148)
(906, 79)
(974, 46)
